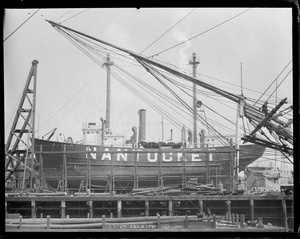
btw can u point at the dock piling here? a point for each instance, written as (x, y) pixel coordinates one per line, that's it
(48, 222)
(285, 221)
(63, 209)
(242, 221)
(158, 221)
(33, 209)
(233, 218)
(260, 222)
(103, 221)
(252, 211)
(186, 224)
(20, 223)
(214, 223)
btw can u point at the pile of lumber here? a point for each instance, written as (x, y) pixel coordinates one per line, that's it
(202, 189)
(111, 223)
(189, 189)
(156, 191)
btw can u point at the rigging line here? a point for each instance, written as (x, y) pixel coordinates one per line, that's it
(149, 102)
(174, 82)
(202, 32)
(160, 95)
(273, 81)
(280, 83)
(21, 25)
(152, 72)
(63, 14)
(74, 15)
(147, 87)
(169, 30)
(214, 131)
(69, 100)
(86, 52)
(98, 47)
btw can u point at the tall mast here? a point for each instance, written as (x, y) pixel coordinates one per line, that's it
(239, 114)
(194, 63)
(108, 63)
(253, 113)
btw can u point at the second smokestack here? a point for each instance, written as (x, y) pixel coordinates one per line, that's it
(142, 124)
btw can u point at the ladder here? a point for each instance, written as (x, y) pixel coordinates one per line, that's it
(19, 148)
(82, 186)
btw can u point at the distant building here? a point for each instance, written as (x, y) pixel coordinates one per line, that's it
(262, 179)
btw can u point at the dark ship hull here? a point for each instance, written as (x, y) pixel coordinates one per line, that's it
(121, 169)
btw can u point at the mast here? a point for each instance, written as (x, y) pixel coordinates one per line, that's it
(253, 113)
(194, 63)
(108, 63)
(239, 114)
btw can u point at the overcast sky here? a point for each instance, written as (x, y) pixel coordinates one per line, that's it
(71, 87)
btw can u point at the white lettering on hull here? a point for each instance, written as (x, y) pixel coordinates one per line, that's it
(106, 155)
(92, 155)
(167, 159)
(180, 157)
(152, 159)
(195, 158)
(119, 155)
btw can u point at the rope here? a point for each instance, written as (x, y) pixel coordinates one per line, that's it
(21, 25)
(168, 30)
(75, 15)
(202, 32)
(273, 82)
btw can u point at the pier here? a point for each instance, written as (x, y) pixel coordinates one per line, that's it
(274, 209)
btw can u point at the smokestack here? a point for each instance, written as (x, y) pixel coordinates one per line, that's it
(142, 124)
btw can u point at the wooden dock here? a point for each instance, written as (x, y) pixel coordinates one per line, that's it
(273, 209)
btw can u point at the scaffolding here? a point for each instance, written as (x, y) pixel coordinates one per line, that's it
(20, 161)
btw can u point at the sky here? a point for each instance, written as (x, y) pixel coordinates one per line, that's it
(71, 87)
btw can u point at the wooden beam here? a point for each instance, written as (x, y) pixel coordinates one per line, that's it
(284, 211)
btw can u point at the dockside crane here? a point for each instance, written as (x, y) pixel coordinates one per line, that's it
(19, 148)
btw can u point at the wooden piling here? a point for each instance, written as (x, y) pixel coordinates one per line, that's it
(186, 224)
(103, 221)
(20, 223)
(111, 215)
(201, 206)
(233, 218)
(33, 209)
(242, 221)
(228, 209)
(214, 223)
(158, 221)
(119, 208)
(91, 209)
(252, 211)
(237, 219)
(170, 208)
(284, 211)
(260, 222)
(63, 209)
(147, 208)
(48, 222)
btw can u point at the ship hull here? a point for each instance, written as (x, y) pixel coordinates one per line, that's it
(122, 168)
